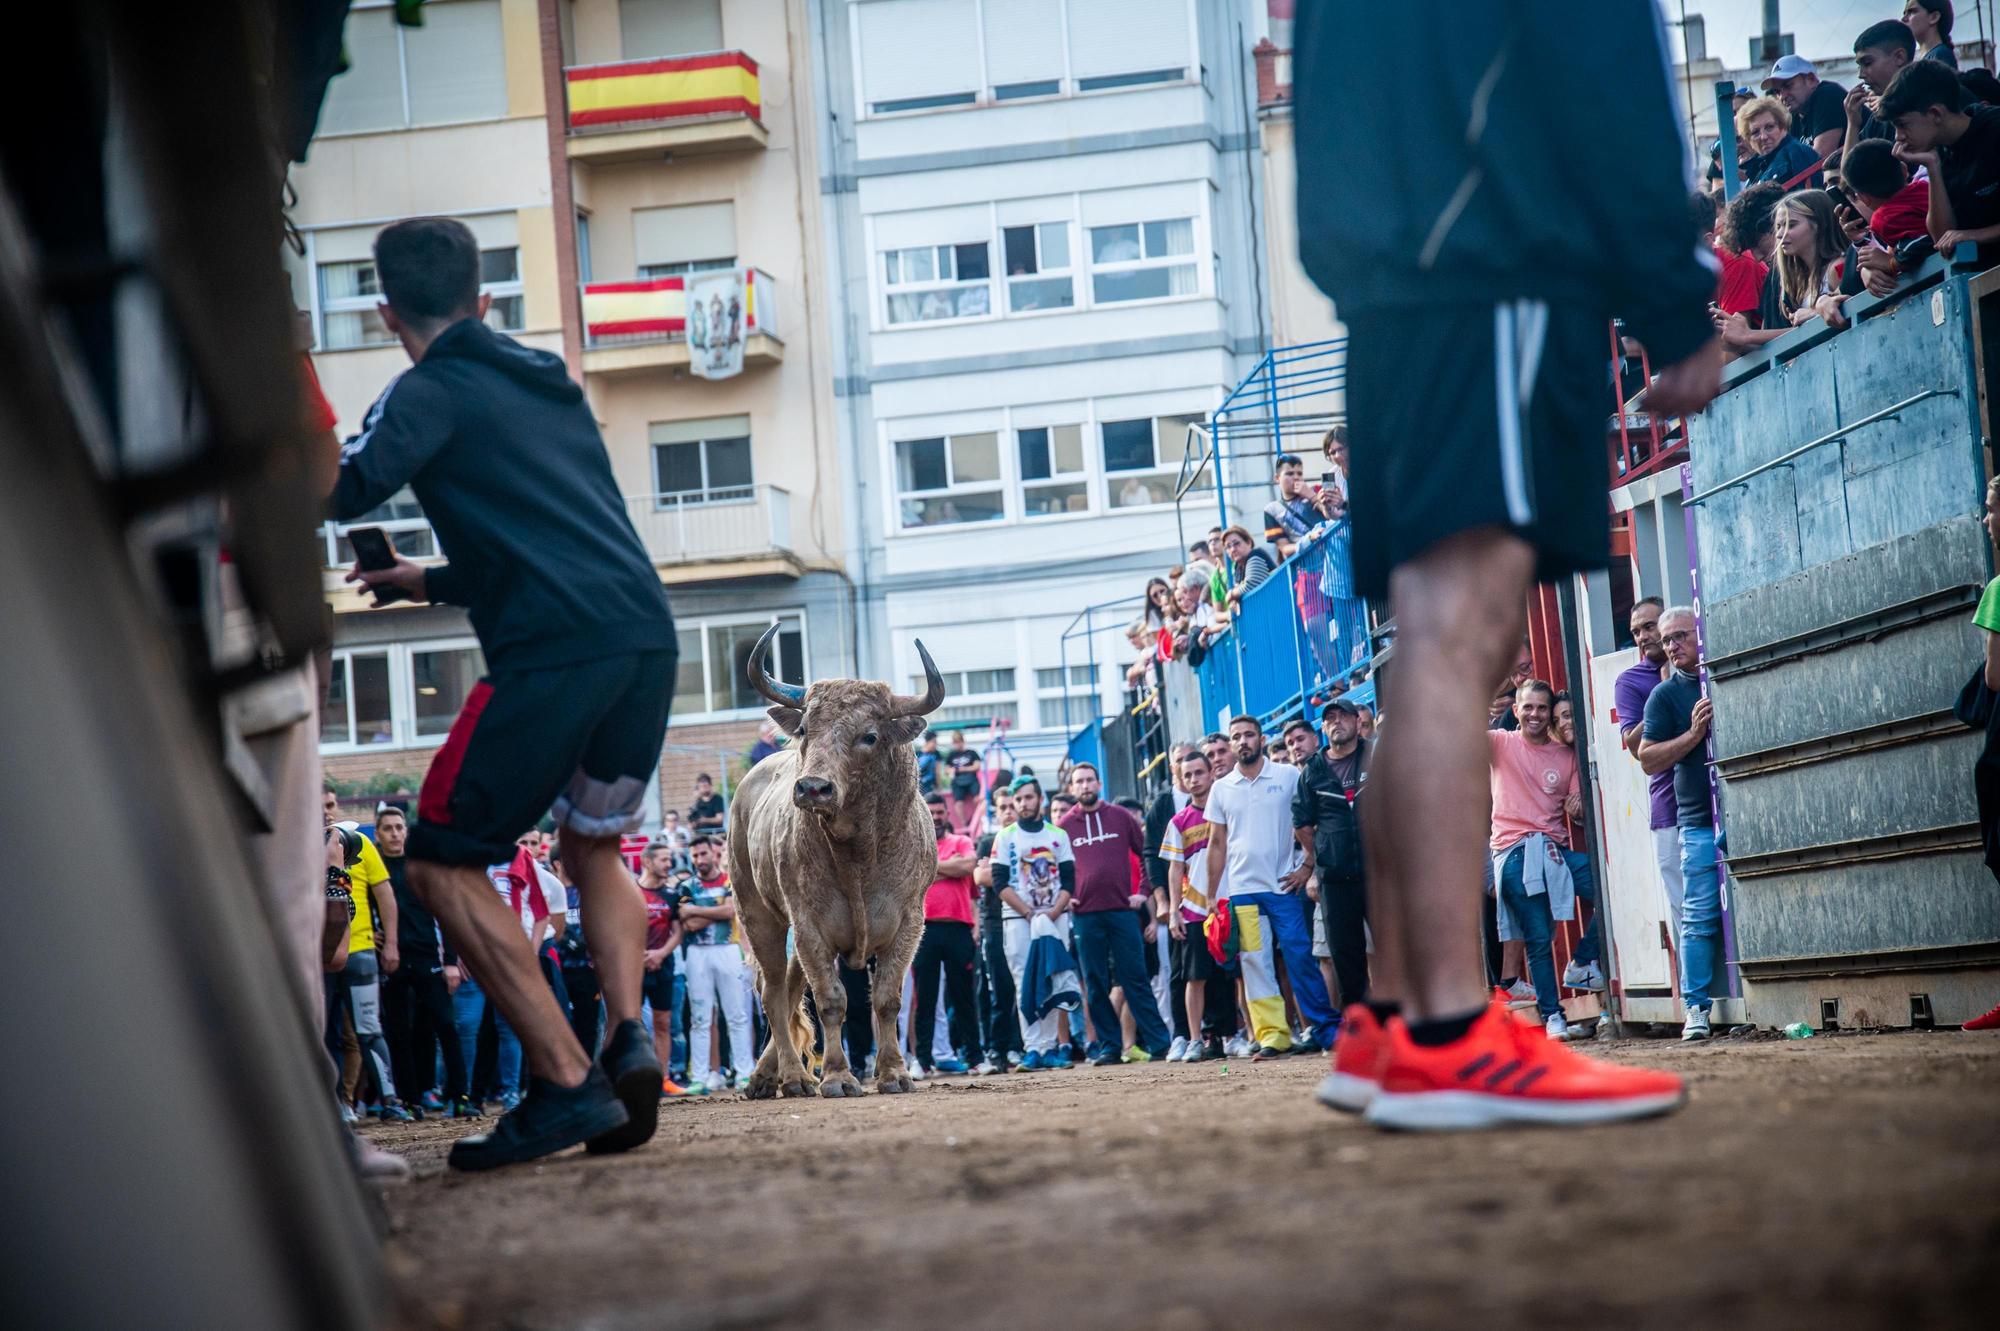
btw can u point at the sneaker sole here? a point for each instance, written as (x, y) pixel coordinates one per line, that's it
(639, 1091)
(1469, 1111)
(1346, 1092)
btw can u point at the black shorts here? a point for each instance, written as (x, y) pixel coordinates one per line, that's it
(576, 741)
(1191, 958)
(658, 986)
(1478, 415)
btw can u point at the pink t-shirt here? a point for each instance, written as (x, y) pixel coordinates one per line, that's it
(1530, 782)
(950, 898)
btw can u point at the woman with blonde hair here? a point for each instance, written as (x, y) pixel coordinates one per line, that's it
(1810, 245)
(1765, 123)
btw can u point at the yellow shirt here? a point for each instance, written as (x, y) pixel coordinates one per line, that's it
(367, 871)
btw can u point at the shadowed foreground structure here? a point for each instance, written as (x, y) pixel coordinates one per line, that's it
(1844, 1181)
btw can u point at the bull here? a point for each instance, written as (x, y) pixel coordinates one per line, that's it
(830, 841)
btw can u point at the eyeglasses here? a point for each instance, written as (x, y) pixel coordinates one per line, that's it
(1678, 635)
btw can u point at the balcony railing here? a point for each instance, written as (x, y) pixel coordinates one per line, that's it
(629, 313)
(711, 526)
(635, 109)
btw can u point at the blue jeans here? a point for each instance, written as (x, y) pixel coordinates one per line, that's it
(1538, 927)
(468, 1006)
(1112, 948)
(1701, 915)
(1287, 914)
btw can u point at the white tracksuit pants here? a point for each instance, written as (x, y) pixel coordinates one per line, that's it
(715, 975)
(1039, 1037)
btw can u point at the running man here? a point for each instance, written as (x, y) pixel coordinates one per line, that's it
(502, 451)
(1477, 286)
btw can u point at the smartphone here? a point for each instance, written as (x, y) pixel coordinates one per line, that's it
(1839, 197)
(1327, 478)
(372, 550)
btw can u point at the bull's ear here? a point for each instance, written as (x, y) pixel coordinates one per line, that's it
(789, 719)
(904, 729)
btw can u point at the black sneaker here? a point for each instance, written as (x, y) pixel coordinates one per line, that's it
(1214, 1048)
(634, 1069)
(548, 1119)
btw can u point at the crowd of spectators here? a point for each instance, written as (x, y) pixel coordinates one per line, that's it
(1846, 191)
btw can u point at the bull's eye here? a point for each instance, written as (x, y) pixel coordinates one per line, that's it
(868, 738)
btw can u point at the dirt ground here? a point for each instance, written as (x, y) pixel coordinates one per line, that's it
(1832, 1182)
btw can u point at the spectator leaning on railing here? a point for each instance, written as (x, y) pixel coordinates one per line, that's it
(1889, 210)
(1750, 227)
(1249, 563)
(1958, 143)
(1289, 517)
(1767, 125)
(1740, 285)
(1810, 243)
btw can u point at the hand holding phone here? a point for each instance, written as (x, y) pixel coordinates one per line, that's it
(373, 553)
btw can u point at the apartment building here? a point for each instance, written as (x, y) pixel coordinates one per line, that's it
(605, 152)
(1044, 217)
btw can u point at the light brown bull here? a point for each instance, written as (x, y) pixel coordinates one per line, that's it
(829, 839)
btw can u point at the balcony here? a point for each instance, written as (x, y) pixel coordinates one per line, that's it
(709, 536)
(653, 110)
(639, 327)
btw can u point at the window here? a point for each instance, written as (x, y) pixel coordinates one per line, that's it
(715, 655)
(1128, 43)
(689, 238)
(918, 55)
(450, 70)
(1106, 82)
(944, 481)
(1052, 473)
(1010, 92)
(401, 516)
(1081, 693)
(1051, 677)
(701, 462)
(398, 696)
(1038, 267)
(1142, 459)
(957, 682)
(1143, 261)
(650, 28)
(938, 282)
(357, 711)
(440, 682)
(1024, 48)
(350, 290)
(963, 705)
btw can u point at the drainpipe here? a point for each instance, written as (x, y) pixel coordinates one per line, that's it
(562, 198)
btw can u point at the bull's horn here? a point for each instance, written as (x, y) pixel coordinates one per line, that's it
(909, 704)
(779, 692)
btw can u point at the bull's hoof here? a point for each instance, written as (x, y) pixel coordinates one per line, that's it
(894, 1083)
(762, 1086)
(839, 1085)
(804, 1084)
(765, 1085)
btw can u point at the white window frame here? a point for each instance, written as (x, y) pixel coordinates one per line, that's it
(402, 692)
(700, 625)
(994, 700)
(1110, 478)
(403, 80)
(1022, 484)
(330, 533)
(324, 307)
(1087, 692)
(1002, 484)
(1042, 273)
(708, 494)
(987, 97)
(940, 252)
(1149, 263)
(652, 272)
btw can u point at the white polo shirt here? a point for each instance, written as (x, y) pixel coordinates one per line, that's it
(1258, 816)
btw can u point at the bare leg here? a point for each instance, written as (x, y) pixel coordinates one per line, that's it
(1460, 608)
(1197, 1004)
(886, 997)
(488, 936)
(663, 1038)
(617, 912)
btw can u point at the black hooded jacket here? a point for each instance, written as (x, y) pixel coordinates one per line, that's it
(1521, 150)
(503, 453)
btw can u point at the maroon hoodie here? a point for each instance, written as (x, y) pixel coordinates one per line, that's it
(1105, 841)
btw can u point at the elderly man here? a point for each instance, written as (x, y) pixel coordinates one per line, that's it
(1676, 724)
(1629, 692)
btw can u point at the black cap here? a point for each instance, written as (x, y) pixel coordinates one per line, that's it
(1338, 705)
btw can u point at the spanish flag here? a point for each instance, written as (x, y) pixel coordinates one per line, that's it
(682, 87)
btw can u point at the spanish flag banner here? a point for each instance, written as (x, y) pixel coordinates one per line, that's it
(683, 87)
(653, 308)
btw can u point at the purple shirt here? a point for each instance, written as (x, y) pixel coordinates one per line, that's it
(1635, 684)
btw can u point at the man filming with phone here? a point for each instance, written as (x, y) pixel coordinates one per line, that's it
(502, 451)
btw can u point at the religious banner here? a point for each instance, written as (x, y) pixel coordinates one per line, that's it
(716, 307)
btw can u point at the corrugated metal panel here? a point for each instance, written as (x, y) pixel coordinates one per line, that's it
(1893, 906)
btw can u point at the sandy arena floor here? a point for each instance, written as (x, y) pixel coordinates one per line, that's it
(1841, 1181)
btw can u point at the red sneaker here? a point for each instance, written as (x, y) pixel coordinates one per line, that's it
(1504, 1071)
(1359, 1051)
(1989, 1022)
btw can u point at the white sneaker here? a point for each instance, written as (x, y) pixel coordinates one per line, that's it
(1196, 1051)
(1237, 1047)
(1520, 994)
(916, 1071)
(1177, 1051)
(1696, 1025)
(985, 1069)
(1013, 1059)
(1559, 1029)
(1589, 977)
